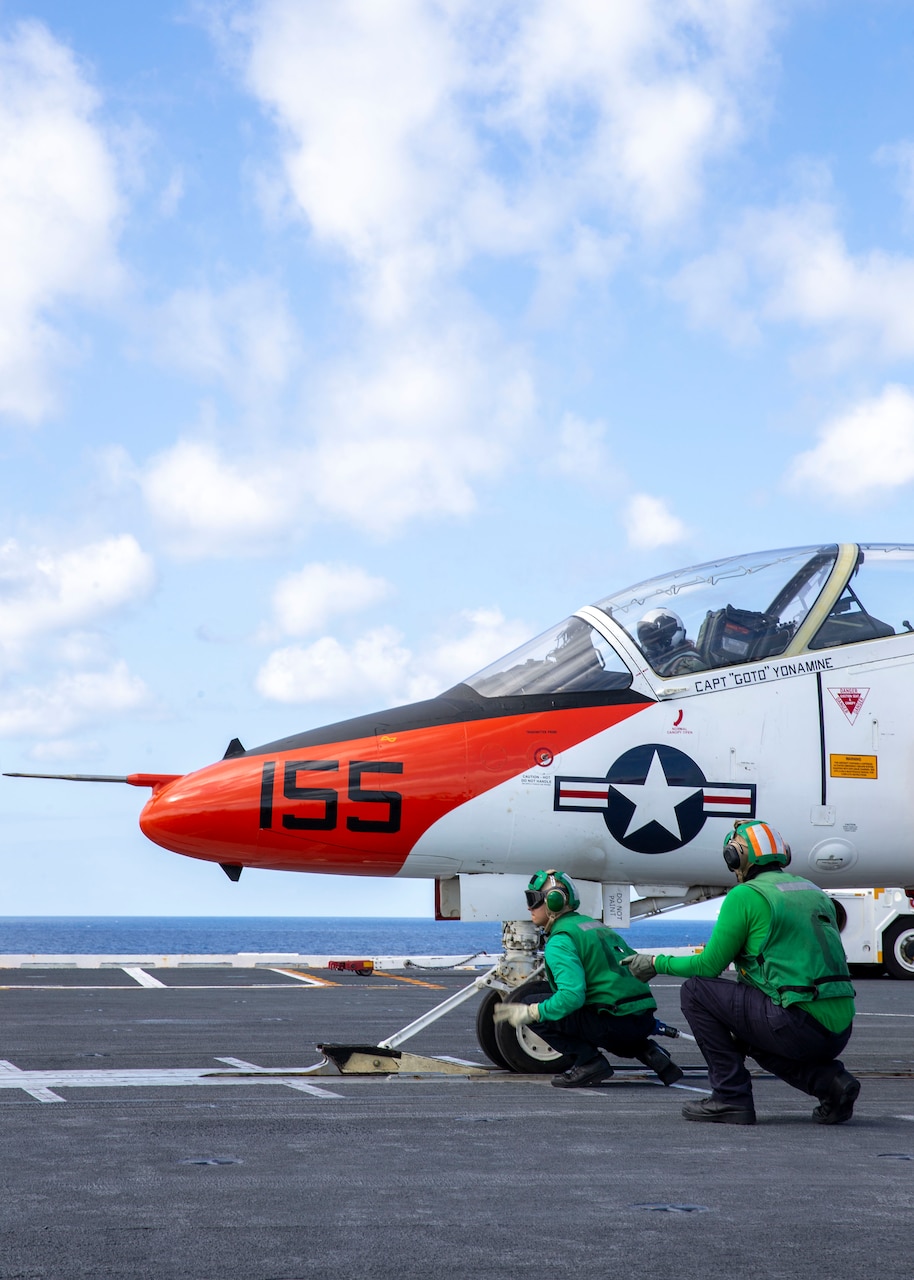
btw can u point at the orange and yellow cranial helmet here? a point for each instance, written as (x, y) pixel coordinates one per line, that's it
(754, 844)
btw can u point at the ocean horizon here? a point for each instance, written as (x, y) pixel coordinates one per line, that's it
(298, 935)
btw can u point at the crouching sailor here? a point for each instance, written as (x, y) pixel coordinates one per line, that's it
(595, 1002)
(792, 1005)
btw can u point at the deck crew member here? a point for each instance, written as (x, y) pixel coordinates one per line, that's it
(595, 1002)
(792, 1005)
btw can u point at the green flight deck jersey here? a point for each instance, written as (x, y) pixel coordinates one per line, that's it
(780, 932)
(584, 966)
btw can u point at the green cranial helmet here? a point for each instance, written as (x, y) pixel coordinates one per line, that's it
(553, 889)
(754, 844)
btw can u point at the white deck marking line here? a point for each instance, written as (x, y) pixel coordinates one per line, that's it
(885, 1015)
(219, 986)
(302, 977)
(141, 976)
(37, 1083)
(39, 1094)
(301, 1085)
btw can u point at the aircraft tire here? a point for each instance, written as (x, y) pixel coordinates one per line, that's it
(521, 1047)
(898, 948)
(485, 1029)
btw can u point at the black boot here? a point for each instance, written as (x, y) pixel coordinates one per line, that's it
(838, 1104)
(660, 1063)
(584, 1074)
(718, 1112)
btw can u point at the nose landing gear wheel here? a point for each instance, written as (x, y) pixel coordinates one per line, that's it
(520, 1048)
(485, 1028)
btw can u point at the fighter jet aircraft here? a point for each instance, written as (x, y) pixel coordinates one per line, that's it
(620, 745)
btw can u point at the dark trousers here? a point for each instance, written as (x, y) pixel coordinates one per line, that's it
(731, 1021)
(586, 1031)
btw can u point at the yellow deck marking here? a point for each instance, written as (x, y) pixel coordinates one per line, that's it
(416, 982)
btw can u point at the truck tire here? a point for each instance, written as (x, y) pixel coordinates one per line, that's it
(898, 948)
(521, 1047)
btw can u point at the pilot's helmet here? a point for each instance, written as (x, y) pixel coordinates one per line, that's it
(660, 630)
(752, 846)
(553, 889)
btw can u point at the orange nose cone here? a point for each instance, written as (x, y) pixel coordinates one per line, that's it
(210, 814)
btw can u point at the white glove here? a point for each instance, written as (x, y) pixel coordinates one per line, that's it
(518, 1015)
(640, 967)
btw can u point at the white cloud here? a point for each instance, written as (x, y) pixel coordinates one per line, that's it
(408, 431)
(173, 194)
(900, 156)
(243, 337)
(629, 101)
(44, 592)
(395, 118)
(400, 432)
(792, 266)
(59, 206)
(649, 523)
(582, 454)
(393, 124)
(372, 145)
(327, 670)
(863, 453)
(486, 635)
(69, 701)
(589, 257)
(306, 601)
(379, 663)
(209, 505)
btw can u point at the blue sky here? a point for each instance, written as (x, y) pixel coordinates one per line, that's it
(344, 347)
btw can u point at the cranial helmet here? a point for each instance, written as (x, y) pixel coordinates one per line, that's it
(555, 890)
(660, 630)
(752, 845)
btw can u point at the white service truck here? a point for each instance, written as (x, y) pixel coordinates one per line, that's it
(877, 928)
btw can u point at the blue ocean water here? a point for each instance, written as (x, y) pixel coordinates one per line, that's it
(324, 935)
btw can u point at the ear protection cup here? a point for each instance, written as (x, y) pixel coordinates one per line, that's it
(556, 899)
(555, 890)
(755, 844)
(732, 855)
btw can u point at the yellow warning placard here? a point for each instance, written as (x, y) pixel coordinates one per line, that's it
(853, 767)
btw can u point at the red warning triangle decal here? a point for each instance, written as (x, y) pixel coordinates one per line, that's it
(850, 701)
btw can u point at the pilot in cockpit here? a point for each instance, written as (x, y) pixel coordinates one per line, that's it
(662, 636)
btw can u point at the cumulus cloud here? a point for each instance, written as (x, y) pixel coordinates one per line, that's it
(582, 454)
(304, 602)
(208, 504)
(69, 701)
(407, 432)
(649, 523)
(242, 337)
(863, 453)
(393, 122)
(792, 266)
(379, 663)
(327, 670)
(394, 119)
(403, 431)
(629, 101)
(43, 592)
(900, 157)
(59, 208)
